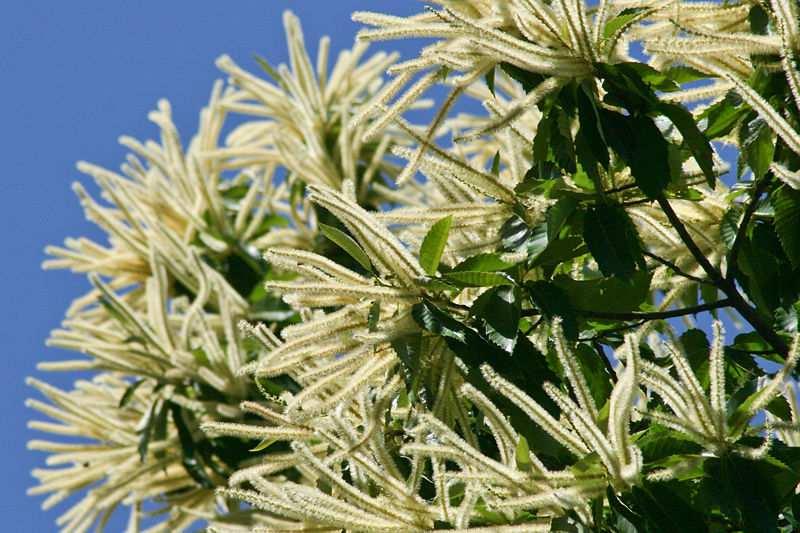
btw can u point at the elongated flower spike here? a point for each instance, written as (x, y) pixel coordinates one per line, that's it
(176, 216)
(521, 481)
(300, 109)
(705, 417)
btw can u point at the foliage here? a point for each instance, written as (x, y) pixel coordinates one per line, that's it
(504, 334)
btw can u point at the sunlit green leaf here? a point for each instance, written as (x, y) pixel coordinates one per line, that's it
(348, 244)
(430, 252)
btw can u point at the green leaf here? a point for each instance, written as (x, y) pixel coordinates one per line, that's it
(495, 170)
(189, 461)
(747, 491)
(759, 146)
(786, 202)
(642, 146)
(523, 455)
(606, 294)
(517, 236)
(476, 278)
(664, 506)
(525, 367)
(590, 130)
(374, 316)
(430, 253)
(128, 394)
(486, 262)
(147, 431)
(723, 116)
(613, 241)
(553, 302)
(263, 445)
(408, 349)
(528, 80)
(693, 138)
(729, 225)
(498, 310)
(659, 443)
(684, 74)
(625, 17)
(560, 251)
(595, 371)
(346, 243)
(558, 214)
(490, 80)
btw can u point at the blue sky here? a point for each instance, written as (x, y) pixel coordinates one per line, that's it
(76, 75)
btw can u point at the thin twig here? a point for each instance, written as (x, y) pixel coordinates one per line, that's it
(761, 186)
(675, 268)
(656, 315)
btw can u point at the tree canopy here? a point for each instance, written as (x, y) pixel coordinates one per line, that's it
(567, 313)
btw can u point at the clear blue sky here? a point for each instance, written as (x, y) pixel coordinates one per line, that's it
(76, 74)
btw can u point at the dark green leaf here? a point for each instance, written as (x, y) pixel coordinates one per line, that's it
(552, 301)
(128, 394)
(613, 241)
(147, 431)
(723, 116)
(409, 349)
(430, 252)
(729, 224)
(475, 278)
(495, 170)
(747, 491)
(606, 294)
(348, 244)
(659, 443)
(525, 367)
(374, 316)
(626, 16)
(498, 310)
(590, 130)
(517, 236)
(696, 347)
(558, 214)
(490, 80)
(693, 138)
(759, 146)
(190, 462)
(528, 80)
(595, 371)
(642, 146)
(482, 263)
(786, 202)
(665, 506)
(759, 19)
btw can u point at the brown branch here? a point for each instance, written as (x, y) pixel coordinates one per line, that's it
(656, 315)
(675, 268)
(727, 286)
